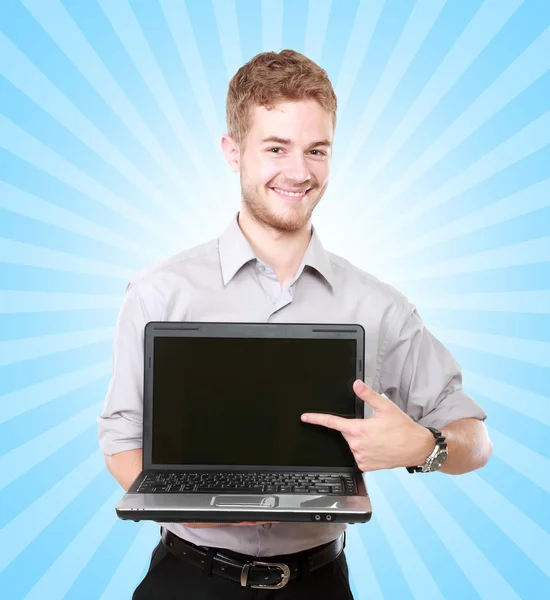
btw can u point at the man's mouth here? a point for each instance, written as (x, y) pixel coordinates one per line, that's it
(294, 195)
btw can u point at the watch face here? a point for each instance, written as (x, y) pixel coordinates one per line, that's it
(438, 461)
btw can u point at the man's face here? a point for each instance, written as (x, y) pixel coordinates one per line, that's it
(284, 169)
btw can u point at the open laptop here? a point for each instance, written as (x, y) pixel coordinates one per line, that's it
(222, 435)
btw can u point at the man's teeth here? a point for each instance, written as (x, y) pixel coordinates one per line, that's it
(291, 194)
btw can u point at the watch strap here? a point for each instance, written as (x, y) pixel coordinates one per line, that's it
(439, 441)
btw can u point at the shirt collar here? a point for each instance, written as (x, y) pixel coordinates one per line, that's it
(235, 252)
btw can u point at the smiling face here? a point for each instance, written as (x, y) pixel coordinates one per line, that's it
(284, 168)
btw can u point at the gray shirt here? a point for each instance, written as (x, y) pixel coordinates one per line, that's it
(222, 280)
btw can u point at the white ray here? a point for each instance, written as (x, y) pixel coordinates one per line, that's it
(124, 581)
(29, 348)
(418, 26)
(20, 143)
(534, 406)
(228, 30)
(272, 26)
(28, 525)
(527, 200)
(127, 28)
(522, 253)
(364, 25)
(60, 576)
(56, 21)
(525, 461)
(26, 399)
(526, 302)
(15, 302)
(481, 573)
(20, 71)
(526, 142)
(529, 351)
(524, 533)
(415, 572)
(526, 69)
(177, 19)
(486, 23)
(18, 461)
(18, 253)
(360, 566)
(316, 29)
(23, 203)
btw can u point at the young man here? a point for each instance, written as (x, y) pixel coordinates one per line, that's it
(269, 265)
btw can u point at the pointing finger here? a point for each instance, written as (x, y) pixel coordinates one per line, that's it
(331, 421)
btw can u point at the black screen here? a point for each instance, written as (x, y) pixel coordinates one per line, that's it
(235, 401)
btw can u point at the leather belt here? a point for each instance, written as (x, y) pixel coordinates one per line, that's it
(252, 573)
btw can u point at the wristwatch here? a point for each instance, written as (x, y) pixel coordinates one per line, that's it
(436, 458)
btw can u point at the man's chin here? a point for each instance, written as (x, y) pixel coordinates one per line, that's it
(288, 221)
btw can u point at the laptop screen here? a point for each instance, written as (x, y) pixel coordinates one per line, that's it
(238, 401)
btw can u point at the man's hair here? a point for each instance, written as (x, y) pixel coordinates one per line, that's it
(269, 78)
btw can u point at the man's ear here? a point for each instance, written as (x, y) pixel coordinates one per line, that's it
(231, 152)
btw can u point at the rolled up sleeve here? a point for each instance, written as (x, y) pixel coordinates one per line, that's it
(121, 422)
(421, 376)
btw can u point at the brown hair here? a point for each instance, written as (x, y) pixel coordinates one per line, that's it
(269, 78)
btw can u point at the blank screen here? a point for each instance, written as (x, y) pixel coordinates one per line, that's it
(235, 401)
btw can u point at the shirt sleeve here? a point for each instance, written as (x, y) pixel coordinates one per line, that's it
(121, 422)
(421, 376)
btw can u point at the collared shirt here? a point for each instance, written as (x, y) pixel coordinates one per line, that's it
(222, 280)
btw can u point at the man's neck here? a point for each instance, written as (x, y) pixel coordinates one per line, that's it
(281, 250)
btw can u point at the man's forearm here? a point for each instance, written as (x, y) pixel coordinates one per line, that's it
(469, 446)
(125, 466)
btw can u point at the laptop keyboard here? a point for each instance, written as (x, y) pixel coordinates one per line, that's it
(248, 483)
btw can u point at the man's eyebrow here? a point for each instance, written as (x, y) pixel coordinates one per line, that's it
(285, 141)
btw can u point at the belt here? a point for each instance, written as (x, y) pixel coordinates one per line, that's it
(252, 573)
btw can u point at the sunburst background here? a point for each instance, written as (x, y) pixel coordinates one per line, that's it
(110, 118)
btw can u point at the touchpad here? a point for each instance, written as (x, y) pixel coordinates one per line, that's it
(243, 500)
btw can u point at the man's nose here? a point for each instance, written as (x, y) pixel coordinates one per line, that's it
(296, 168)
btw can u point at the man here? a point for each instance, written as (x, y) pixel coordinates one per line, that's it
(269, 265)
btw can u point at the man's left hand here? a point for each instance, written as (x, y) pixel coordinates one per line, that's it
(388, 439)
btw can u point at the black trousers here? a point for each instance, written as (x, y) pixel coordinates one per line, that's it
(170, 578)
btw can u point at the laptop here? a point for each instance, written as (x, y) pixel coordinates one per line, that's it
(222, 435)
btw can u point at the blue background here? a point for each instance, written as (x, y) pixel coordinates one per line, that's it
(111, 114)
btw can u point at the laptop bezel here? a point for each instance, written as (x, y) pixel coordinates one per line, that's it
(156, 329)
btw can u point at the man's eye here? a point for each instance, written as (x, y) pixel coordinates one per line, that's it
(274, 149)
(321, 153)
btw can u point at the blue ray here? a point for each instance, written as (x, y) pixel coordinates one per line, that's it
(488, 19)
(18, 461)
(127, 577)
(19, 426)
(316, 29)
(415, 571)
(295, 19)
(364, 578)
(20, 494)
(483, 575)
(34, 519)
(62, 574)
(225, 13)
(469, 510)
(523, 350)
(46, 304)
(533, 406)
(62, 518)
(272, 24)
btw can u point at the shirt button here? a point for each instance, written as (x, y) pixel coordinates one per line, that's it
(266, 525)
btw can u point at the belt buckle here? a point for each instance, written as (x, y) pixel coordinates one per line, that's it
(285, 575)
